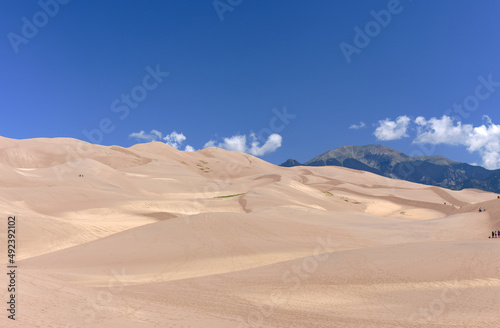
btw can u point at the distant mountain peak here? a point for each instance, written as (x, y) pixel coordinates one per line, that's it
(290, 162)
(365, 154)
(434, 170)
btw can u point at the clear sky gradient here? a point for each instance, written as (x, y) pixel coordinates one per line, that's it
(233, 65)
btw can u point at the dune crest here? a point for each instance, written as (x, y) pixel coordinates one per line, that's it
(151, 236)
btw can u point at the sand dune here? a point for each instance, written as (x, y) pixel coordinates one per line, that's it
(149, 236)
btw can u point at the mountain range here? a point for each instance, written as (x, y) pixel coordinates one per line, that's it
(431, 170)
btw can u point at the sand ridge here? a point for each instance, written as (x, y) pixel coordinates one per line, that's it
(151, 236)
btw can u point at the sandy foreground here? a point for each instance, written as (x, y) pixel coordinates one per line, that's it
(155, 237)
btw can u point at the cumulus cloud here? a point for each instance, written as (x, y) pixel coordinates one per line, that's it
(173, 139)
(153, 135)
(357, 126)
(392, 130)
(211, 143)
(273, 142)
(484, 139)
(441, 130)
(239, 143)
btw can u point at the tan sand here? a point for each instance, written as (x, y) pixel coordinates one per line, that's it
(155, 237)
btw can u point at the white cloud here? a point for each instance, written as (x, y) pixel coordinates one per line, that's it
(174, 139)
(239, 143)
(236, 142)
(156, 133)
(211, 143)
(443, 130)
(357, 126)
(153, 135)
(273, 142)
(484, 139)
(392, 130)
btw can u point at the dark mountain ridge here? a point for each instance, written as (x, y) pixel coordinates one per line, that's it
(431, 170)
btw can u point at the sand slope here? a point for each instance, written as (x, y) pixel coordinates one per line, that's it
(151, 236)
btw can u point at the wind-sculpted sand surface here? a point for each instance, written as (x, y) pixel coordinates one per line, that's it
(149, 236)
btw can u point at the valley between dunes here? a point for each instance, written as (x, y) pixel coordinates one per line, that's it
(150, 236)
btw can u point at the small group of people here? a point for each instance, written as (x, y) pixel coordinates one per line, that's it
(482, 209)
(495, 234)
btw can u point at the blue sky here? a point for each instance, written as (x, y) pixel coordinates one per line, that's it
(276, 73)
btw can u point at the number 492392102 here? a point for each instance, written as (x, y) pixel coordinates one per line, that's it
(11, 239)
